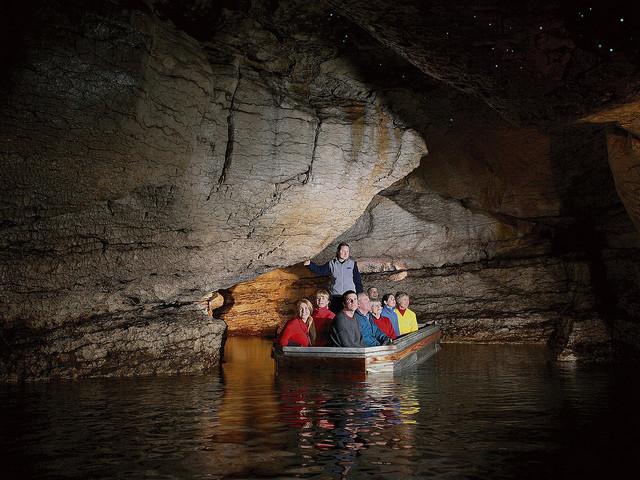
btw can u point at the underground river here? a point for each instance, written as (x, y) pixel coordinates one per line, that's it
(472, 411)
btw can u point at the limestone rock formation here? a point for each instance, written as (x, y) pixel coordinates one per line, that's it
(263, 304)
(139, 342)
(144, 169)
(624, 159)
(156, 152)
(534, 63)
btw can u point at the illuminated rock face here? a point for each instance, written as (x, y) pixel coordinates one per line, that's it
(556, 261)
(142, 170)
(153, 154)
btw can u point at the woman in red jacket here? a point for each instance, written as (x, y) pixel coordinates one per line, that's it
(383, 323)
(299, 331)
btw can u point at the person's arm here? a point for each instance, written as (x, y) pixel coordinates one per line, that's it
(356, 278)
(285, 335)
(318, 269)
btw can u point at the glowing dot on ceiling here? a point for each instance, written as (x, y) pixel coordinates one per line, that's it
(622, 19)
(540, 27)
(599, 45)
(611, 50)
(491, 24)
(451, 119)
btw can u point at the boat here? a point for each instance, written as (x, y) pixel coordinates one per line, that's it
(406, 350)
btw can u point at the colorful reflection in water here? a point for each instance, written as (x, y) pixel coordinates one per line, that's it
(470, 412)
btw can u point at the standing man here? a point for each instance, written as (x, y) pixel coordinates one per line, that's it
(344, 275)
(346, 330)
(371, 334)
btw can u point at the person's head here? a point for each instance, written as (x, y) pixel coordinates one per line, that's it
(342, 253)
(372, 292)
(376, 308)
(364, 303)
(304, 309)
(389, 299)
(403, 299)
(350, 301)
(322, 298)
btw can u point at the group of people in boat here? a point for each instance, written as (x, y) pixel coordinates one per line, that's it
(347, 316)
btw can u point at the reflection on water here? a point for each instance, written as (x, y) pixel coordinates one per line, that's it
(469, 412)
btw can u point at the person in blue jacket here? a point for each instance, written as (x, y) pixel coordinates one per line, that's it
(389, 311)
(371, 334)
(344, 275)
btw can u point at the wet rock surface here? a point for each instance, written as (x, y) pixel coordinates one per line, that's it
(136, 343)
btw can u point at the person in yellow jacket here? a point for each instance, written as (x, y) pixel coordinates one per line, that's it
(407, 321)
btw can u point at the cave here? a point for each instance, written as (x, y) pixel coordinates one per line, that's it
(167, 167)
(158, 160)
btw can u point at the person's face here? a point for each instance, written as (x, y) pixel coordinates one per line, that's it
(351, 302)
(303, 311)
(391, 301)
(376, 308)
(343, 253)
(373, 292)
(322, 301)
(403, 301)
(364, 304)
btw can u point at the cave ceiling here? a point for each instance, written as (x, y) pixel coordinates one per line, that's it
(535, 63)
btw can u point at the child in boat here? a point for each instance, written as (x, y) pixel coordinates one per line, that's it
(382, 322)
(407, 321)
(300, 330)
(322, 318)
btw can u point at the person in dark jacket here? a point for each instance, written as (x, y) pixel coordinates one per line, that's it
(345, 331)
(344, 275)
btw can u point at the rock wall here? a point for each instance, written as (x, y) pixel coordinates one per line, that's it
(144, 169)
(154, 154)
(505, 234)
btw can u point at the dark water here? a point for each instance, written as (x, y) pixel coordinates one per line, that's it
(470, 412)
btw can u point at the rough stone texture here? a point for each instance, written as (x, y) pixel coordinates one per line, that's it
(261, 305)
(624, 159)
(512, 235)
(538, 63)
(588, 339)
(154, 153)
(143, 168)
(136, 343)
